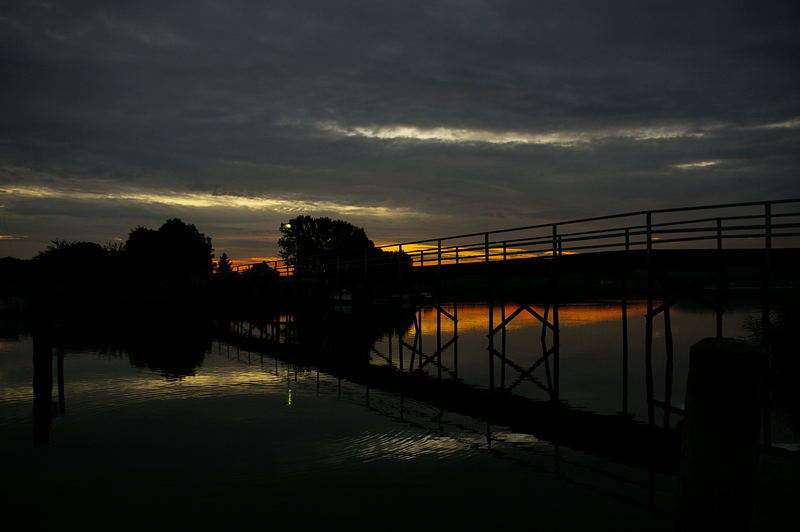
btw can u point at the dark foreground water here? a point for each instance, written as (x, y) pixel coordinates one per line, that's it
(251, 442)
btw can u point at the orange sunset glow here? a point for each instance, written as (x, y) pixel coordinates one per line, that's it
(475, 317)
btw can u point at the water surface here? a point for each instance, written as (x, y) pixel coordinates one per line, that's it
(229, 438)
(250, 442)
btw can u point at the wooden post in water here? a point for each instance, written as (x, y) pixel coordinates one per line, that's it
(62, 408)
(648, 334)
(554, 300)
(624, 308)
(719, 453)
(455, 328)
(624, 305)
(503, 334)
(491, 339)
(439, 337)
(42, 388)
(669, 366)
(766, 299)
(719, 273)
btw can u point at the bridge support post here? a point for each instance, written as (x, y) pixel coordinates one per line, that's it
(554, 300)
(648, 333)
(719, 280)
(439, 336)
(491, 336)
(766, 303)
(719, 451)
(42, 388)
(669, 369)
(624, 305)
(455, 335)
(503, 331)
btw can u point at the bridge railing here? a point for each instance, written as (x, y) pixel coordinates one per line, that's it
(763, 225)
(707, 226)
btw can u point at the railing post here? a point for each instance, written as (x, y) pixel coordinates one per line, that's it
(422, 258)
(768, 226)
(555, 240)
(627, 239)
(400, 260)
(505, 251)
(456, 254)
(486, 246)
(719, 233)
(439, 252)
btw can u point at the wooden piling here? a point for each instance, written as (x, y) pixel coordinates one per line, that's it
(42, 388)
(719, 452)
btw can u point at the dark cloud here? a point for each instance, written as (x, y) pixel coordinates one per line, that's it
(303, 101)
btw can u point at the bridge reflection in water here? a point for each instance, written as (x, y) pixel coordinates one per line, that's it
(507, 364)
(523, 347)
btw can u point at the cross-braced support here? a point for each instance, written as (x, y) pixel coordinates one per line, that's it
(418, 355)
(549, 357)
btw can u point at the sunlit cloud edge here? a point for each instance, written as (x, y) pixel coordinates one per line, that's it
(696, 164)
(461, 135)
(208, 200)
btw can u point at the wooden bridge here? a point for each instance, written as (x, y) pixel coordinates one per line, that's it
(656, 243)
(754, 225)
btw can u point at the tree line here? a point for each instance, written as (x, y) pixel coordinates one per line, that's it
(174, 248)
(312, 247)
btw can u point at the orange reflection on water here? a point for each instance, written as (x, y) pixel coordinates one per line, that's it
(475, 317)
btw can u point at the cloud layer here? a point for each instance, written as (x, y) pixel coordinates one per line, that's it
(411, 118)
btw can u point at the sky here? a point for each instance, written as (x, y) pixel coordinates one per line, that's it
(411, 119)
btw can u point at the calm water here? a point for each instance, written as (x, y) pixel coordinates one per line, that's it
(249, 441)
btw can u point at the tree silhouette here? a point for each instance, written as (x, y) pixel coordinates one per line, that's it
(322, 246)
(175, 248)
(74, 260)
(224, 264)
(317, 245)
